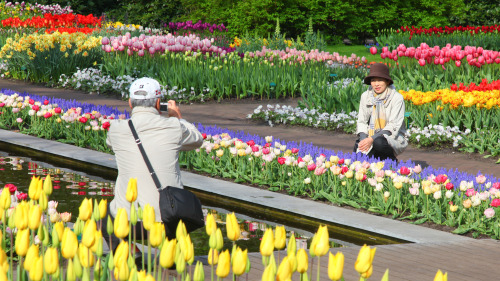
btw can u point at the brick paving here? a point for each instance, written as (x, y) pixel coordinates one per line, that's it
(473, 260)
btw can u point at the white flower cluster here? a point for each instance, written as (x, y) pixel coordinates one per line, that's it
(92, 80)
(343, 83)
(283, 114)
(438, 132)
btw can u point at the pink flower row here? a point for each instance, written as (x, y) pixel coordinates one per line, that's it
(159, 44)
(475, 56)
(302, 56)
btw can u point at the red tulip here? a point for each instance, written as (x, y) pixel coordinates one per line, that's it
(373, 50)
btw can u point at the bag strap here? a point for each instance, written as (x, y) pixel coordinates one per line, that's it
(143, 152)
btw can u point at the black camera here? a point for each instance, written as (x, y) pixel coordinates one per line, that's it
(164, 106)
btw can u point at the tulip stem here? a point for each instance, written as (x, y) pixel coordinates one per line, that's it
(11, 251)
(4, 225)
(317, 274)
(154, 268)
(212, 267)
(142, 242)
(312, 266)
(149, 254)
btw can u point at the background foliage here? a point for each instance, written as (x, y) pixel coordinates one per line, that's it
(336, 19)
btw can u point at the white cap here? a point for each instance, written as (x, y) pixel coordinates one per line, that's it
(145, 88)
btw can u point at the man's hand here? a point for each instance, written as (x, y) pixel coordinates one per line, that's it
(173, 110)
(365, 144)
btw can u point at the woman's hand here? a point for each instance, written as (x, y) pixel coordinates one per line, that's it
(365, 144)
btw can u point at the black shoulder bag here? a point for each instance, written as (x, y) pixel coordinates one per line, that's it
(175, 203)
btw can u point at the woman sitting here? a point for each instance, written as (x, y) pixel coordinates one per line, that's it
(380, 127)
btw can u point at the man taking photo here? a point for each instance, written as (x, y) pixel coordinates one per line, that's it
(162, 139)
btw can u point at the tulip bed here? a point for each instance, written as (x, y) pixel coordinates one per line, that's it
(485, 36)
(57, 253)
(401, 190)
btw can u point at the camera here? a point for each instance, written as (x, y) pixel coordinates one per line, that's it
(164, 106)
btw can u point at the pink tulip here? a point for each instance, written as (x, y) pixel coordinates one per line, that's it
(105, 41)
(140, 53)
(458, 63)
(373, 50)
(489, 213)
(421, 62)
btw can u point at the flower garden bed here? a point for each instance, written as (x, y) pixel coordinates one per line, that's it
(401, 190)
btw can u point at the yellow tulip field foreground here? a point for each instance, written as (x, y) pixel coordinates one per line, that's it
(47, 249)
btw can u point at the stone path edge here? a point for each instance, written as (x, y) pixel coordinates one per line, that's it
(302, 207)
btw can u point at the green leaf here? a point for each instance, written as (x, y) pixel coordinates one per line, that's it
(420, 221)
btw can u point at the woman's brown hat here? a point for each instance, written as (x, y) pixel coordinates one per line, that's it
(379, 70)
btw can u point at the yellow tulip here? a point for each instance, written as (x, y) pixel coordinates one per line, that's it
(22, 242)
(121, 253)
(156, 234)
(239, 261)
(85, 210)
(223, 265)
(189, 250)
(365, 259)
(4, 263)
(43, 201)
(213, 256)
(47, 185)
(292, 259)
(148, 217)
(284, 270)
(323, 242)
(31, 255)
(69, 244)
(5, 200)
(210, 225)
(267, 243)
(103, 208)
(219, 239)
(291, 248)
(97, 246)
(181, 230)
(88, 236)
(368, 273)
(51, 260)
(167, 253)
(268, 274)
(131, 194)
(302, 261)
(198, 274)
(85, 256)
(335, 266)
(121, 226)
(36, 272)
(33, 189)
(280, 238)
(21, 215)
(232, 227)
(180, 262)
(70, 271)
(440, 276)
(121, 272)
(59, 228)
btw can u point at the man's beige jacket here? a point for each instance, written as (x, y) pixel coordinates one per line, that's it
(162, 139)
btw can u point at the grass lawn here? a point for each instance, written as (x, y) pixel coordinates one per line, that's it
(359, 50)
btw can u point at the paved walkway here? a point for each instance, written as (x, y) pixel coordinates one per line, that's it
(232, 115)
